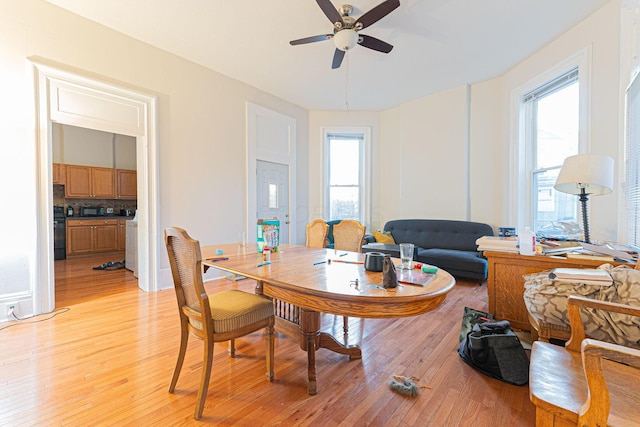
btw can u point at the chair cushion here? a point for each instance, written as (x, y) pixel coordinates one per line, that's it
(233, 310)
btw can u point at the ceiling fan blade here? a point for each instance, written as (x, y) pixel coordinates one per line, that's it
(374, 43)
(320, 38)
(330, 11)
(337, 59)
(377, 13)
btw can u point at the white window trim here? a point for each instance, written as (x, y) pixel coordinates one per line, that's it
(518, 152)
(365, 170)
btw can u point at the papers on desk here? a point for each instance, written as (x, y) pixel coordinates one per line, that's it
(589, 276)
(588, 251)
(607, 251)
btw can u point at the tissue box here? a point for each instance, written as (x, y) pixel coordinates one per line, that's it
(268, 234)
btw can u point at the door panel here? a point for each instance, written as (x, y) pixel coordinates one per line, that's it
(273, 194)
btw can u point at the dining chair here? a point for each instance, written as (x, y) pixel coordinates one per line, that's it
(317, 231)
(222, 316)
(348, 235)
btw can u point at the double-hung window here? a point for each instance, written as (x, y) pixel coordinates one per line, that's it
(346, 174)
(553, 114)
(632, 163)
(550, 123)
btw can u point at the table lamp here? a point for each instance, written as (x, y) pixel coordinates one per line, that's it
(586, 174)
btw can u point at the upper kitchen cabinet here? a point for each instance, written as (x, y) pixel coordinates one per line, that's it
(90, 182)
(127, 184)
(59, 173)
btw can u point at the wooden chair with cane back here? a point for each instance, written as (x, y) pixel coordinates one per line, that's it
(348, 235)
(223, 316)
(588, 382)
(317, 231)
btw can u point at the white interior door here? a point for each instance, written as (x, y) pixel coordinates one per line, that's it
(271, 140)
(273, 194)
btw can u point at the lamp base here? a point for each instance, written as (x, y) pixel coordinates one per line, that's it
(584, 197)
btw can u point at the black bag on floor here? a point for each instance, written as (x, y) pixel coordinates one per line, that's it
(471, 317)
(495, 350)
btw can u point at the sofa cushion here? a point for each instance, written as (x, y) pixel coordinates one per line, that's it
(385, 237)
(455, 261)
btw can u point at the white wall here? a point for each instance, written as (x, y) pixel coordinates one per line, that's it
(488, 159)
(425, 140)
(202, 129)
(89, 147)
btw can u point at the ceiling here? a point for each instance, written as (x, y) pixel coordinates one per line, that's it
(438, 44)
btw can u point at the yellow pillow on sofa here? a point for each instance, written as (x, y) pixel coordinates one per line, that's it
(385, 238)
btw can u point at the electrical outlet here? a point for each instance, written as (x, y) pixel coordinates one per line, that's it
(8, 310)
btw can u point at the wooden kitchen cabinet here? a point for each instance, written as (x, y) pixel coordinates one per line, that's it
(127, 184)
(90, 182)
(505, 283)
(122, 234)
(87, 236)
(59, 173)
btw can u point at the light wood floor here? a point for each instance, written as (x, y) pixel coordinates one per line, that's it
(108, 360)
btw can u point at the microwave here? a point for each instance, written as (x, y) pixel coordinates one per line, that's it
(91, 211)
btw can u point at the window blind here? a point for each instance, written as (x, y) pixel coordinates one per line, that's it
(632, 162)
(349, 136)
(552, 86)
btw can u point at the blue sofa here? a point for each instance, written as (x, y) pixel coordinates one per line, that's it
(447, 244)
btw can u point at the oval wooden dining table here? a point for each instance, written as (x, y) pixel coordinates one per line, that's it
(305, 282)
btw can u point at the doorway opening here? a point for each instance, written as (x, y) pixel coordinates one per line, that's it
(93, 232)
(67, 96)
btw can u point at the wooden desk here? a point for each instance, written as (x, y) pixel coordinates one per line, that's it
(310, 289)
(505, 284)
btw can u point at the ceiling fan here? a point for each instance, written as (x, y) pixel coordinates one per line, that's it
(345, 28)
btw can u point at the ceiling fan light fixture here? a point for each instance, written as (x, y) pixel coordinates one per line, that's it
(345, 39)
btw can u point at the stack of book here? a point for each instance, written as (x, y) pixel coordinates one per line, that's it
(554, 247)
(498, 244)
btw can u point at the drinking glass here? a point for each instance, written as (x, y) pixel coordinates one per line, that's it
(406, 255)
(242, 238)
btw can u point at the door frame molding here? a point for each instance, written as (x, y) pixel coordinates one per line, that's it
(139, 119)
(288, 158)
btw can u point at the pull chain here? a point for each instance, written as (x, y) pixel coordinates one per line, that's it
(346, 85)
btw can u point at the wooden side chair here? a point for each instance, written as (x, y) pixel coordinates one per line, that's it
(590, 382)
(222, 316)
(317, 231)
(348, 235)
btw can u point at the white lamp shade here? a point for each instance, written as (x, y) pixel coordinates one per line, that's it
(592, 172)
(345, 39)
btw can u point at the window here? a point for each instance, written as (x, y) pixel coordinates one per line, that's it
(346, 177)
(632, 163)
(551, 128)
